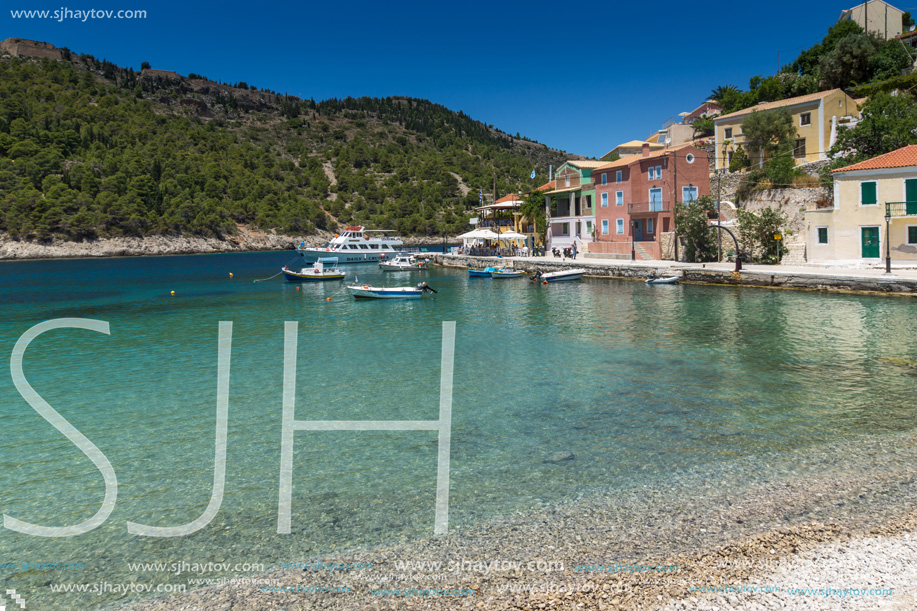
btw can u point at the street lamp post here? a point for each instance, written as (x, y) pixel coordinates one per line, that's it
(888, 246)
(633, 253)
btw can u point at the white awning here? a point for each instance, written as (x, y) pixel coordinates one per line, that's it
(478, 234)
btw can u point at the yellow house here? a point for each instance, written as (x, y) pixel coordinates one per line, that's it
(874, 215)
(815, 116)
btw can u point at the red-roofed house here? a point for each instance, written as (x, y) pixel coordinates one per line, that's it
(874, 214)
(635, 199)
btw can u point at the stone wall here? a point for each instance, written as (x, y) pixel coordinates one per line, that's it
(21, 47)
(775, 278)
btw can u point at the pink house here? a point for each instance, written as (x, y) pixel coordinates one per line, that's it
(635, 199)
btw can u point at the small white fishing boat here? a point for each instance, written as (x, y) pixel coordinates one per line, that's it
(316, 273)
(507, 273)
(395, 292)
(559, 276)
(402, 263)
(667, 280)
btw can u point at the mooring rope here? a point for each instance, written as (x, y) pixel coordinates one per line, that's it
(277, 274)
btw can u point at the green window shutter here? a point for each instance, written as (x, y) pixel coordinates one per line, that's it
(823, 235)
(868, 193)
(912, 235)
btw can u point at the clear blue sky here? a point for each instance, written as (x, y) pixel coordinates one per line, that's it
(581, 77)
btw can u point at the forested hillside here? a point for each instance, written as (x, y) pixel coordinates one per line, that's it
(89, 149)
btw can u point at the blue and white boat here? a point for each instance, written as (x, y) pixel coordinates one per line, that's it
(395, 292)
(480, 273)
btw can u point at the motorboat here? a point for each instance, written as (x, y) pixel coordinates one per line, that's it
(355, 244)
(395, 292)
(480, 273)
(667, 280)
(507, 273)
(402, 263)
(558, 276)
(317, 273)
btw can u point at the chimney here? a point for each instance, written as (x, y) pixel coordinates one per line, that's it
(646, 149)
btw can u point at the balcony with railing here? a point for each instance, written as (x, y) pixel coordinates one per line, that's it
(900, 209)
(648, 207)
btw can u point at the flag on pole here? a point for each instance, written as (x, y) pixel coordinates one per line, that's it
(481, 196)
(533, 173)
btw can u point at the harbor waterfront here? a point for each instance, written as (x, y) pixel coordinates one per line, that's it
(593, 422)
(902, 280)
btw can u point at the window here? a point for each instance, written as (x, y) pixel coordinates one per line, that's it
(619, 226)
(689, 157)
(655, 200)
(868, 193)
(589, 201)
(588, 226)
(688, 194)
(658, 172)
(604, 199)
(728, 133)
(567, 180)
(565, 229)
(619, 198)
(649, 225)
(912, 234)
(604, 178)
(805, 118)
(604, 226)
(618, 176)
(655, 173)
(799, 151)
(823, 235)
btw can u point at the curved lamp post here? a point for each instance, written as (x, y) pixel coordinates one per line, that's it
(738, 255)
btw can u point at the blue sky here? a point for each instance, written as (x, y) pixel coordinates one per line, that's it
(580, 77)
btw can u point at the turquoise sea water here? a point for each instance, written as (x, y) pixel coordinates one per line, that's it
(621, 374)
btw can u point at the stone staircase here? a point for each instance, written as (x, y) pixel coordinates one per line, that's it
(642, 253)
(796, 254)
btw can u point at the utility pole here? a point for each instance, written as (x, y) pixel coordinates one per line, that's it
(674, 202)
(719, 234)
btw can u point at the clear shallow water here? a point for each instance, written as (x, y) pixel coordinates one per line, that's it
(623, 375)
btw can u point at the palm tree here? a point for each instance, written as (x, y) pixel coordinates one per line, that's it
(722, 91)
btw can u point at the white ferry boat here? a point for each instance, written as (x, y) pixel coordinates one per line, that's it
(353, 245)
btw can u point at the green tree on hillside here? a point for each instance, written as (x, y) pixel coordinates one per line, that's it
(850, 61)
(888, 123)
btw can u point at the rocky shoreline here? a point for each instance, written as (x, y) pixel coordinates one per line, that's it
(246, 240)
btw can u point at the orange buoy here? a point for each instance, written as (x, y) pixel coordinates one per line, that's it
(327, 298)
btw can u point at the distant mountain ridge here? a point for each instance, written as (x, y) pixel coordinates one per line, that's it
(90, 149)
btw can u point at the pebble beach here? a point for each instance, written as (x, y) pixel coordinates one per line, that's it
(812, 535)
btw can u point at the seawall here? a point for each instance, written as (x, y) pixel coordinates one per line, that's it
(902, 282)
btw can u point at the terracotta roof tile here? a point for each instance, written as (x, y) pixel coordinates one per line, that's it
(812, 97)
(623, 161)
(901, 158)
